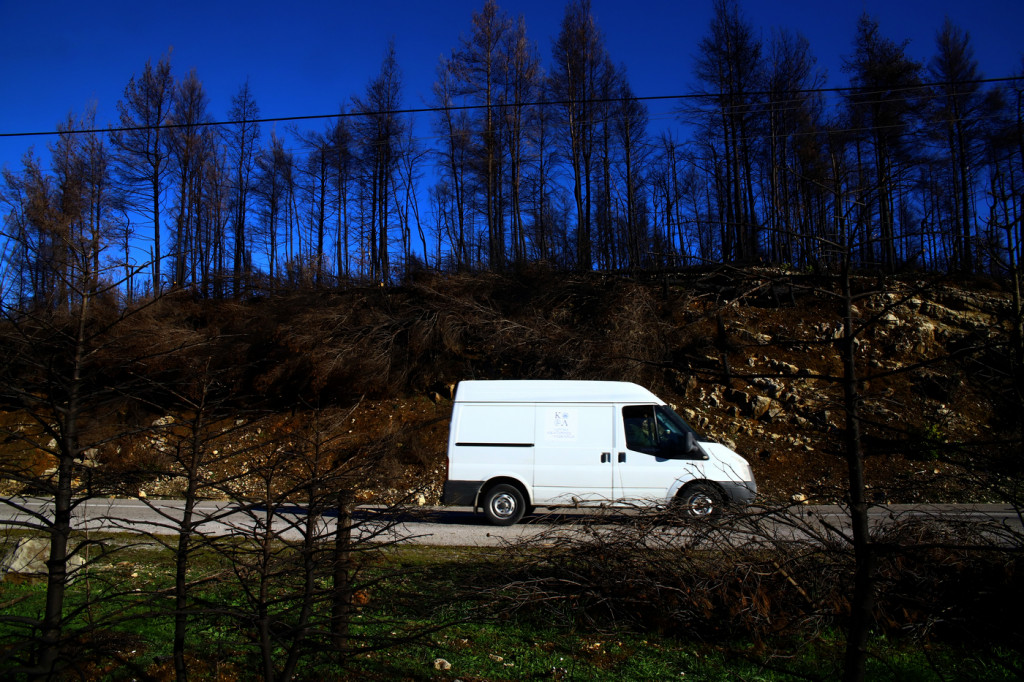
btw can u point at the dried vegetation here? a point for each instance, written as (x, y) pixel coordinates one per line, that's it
(778, 581)
(748, 358)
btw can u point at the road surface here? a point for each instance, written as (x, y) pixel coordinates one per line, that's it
(455, 526)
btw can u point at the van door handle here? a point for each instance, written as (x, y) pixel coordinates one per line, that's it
(622, 457)
(606, 457)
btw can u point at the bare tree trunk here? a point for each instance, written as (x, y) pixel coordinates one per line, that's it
(57, 562)
(310, 541)
(56, 569)
(341, 604)
(862, 604)
(183, 553)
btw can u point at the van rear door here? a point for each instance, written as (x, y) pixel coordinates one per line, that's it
(573, 461)
(491, 440)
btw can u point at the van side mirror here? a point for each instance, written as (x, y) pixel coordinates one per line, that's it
(676, 446)
(689, 443)
(690, 447)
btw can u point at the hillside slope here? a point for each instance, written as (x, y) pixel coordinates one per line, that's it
(749, 358)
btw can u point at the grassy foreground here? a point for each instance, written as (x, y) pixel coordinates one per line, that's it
(426, 613)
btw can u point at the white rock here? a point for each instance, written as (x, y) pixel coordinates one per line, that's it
(28, 558)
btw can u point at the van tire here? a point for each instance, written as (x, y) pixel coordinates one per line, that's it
(503, 505)
(701, 500)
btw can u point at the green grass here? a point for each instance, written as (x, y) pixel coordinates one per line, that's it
(510, 653)
(449, 602)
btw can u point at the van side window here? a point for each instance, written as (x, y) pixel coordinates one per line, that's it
(641, 433)
(657, 430)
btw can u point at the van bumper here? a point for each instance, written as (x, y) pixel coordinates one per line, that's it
(461, 493)
(742, 492)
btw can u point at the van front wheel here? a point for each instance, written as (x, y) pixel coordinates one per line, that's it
(504, 505)
(700, 500)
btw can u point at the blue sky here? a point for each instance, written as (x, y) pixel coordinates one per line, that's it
(305, 58)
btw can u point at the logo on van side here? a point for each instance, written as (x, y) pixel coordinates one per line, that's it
(561, 425)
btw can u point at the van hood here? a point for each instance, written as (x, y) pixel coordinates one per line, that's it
(730, 466)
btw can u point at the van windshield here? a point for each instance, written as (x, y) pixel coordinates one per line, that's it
(667, 415)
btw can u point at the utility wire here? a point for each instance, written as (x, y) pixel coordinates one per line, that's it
(851, 90)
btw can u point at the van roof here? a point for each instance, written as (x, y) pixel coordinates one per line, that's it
(524, 391)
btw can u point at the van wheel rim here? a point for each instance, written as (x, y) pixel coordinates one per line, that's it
(503, 505)
(700, 504)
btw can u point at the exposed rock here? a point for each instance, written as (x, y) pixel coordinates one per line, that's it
(771, 387)
(749, 335)
(734, 395)
(27, 561)
(684, 384)
(890, 319)
(774, 411)
(759, 406)
(783, 367)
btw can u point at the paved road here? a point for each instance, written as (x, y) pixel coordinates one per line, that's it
(457, 526)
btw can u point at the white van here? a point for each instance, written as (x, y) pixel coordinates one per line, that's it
(515, 445)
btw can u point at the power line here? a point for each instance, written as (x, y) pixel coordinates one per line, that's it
(508, 105)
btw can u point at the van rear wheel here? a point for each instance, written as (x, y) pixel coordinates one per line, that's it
(504, 505)
(700, 501)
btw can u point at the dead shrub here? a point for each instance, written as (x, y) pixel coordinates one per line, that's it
(757, 574)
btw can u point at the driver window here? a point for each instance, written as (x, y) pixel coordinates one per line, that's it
(641, 428)
(657, 430)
